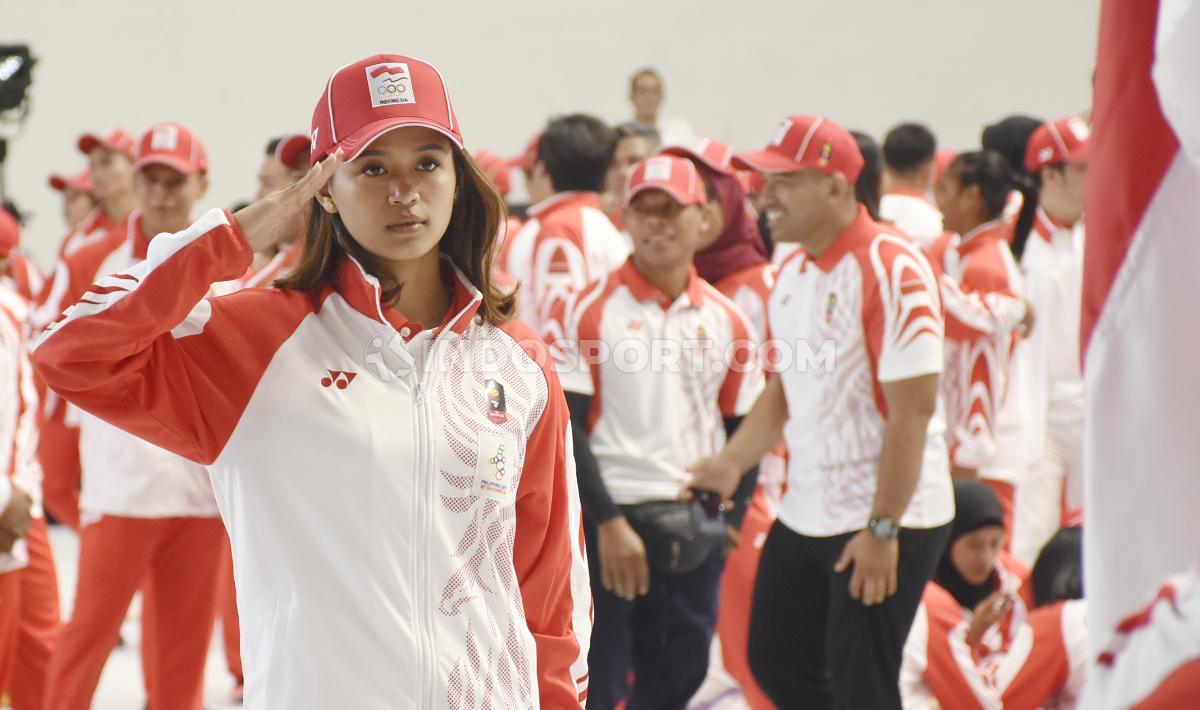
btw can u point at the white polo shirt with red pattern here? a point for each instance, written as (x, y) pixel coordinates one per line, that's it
(865, 312)
(567, 243)
(662, 374)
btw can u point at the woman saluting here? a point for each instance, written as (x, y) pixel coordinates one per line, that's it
(390, 454)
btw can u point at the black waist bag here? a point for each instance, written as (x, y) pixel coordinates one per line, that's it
(675, 540)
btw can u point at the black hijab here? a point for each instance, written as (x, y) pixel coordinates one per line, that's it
(976, 507)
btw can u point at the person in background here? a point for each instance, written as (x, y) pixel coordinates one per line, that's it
(637, 428)
(568, 241)
(909, 154)
(110, 163)
(1052, 271)
(29, 605)
(646, 94)
(77, 198)
(150, 520)
(732, 257)
(635, 142)
(984, 303)
(498, 171)
(868, 502)
(869, 186)
(1009, 137)
(284, 162)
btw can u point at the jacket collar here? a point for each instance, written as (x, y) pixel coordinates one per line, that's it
(643, 290)
(362, 291)
(859, 232)
(563, 200)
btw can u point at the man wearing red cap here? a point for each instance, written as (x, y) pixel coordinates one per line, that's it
(1052, 269)
(149, 516)
(637, 427)
(857, 320)
(568, 241)
(78, 201)
(110, 165)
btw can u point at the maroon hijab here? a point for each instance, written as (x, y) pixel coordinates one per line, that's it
(740, 245)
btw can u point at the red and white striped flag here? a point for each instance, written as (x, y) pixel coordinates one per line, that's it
(1141, 312)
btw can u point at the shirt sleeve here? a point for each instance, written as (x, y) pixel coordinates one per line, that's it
(550, 558)
(902, 313)
(744, 373)
(574, 354)
(559, 267)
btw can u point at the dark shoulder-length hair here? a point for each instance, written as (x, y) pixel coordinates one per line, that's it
(469, 241)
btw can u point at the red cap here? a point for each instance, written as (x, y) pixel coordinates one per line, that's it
(116, 140)
(374, 95)
(292, 150)
(1061, 141)
(712, 153)
(806, 142)
(10, 233)
(528, 157)
(81, 181)
(497, 169)
(752, 180)
(942, 160)
(675, 176)
(174, 146)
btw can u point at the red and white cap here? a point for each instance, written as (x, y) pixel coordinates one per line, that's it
(806, 142)
(497, 169)
(712, 153)
(292, 150)
(1062, 141)
(116, 140)
(528, 157)
(365, 99)
(174, 146)
(81, 181)
(10, 233)
(676, 176)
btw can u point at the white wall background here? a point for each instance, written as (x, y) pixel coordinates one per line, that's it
(241, 71)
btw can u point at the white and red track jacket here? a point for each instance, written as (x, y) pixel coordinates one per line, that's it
(567, 243)
(983, 299)
(662, 374)
(1052, 267)
(1028, 660)
(19, 465)
(911, 212)
(1153, 661)
(865, 312)
(401, 501)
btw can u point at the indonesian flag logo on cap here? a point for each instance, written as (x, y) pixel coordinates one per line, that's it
(390, 84)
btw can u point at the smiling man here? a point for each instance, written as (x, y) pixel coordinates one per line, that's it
(868, 498)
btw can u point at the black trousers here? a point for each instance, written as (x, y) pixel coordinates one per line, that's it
(661, 639)
(813, 647)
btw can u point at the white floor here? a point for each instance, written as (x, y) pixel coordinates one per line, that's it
(121, 685)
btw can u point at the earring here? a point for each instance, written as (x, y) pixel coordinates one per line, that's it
(329, 206)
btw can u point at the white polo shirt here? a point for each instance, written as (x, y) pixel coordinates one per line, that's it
(911, 212)
(863, 313)
(662, 375)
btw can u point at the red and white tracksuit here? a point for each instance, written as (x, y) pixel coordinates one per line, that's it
(567, 243)
(402, 536)
(79, 256)
(150, 522)
(29, 613)
(1028, 660)
(1052, 269)
(1153, 660)
(982, 296)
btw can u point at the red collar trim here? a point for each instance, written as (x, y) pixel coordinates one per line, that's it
(361, 291)
(643, 290)
(861, 231)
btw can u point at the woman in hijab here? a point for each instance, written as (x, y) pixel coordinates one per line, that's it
(974, 643)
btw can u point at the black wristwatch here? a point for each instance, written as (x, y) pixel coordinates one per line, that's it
(883, 527)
